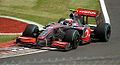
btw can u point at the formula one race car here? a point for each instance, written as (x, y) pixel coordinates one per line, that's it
(68, 33)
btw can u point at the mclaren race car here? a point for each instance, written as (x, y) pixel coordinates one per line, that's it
(68, 33)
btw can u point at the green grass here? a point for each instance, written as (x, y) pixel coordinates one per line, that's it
(4, 38)
(42, 11)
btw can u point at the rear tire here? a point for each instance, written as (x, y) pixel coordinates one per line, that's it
(103, 32)
(31, 30)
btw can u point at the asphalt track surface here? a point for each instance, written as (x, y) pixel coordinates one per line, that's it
(92, 54)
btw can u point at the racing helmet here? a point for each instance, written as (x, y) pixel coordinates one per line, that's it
(68, 22)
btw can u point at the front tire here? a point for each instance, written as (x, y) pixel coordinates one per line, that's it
(31, 30)
(73, 37)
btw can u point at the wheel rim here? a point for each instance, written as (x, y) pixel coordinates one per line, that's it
(76, 40)
(108, 33)
(68, 47)
(35, 33)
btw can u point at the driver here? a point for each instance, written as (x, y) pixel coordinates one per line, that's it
(68, 22)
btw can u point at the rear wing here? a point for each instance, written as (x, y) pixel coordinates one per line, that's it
(85, 12)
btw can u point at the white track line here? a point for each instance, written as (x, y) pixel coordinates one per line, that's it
(11, 33)
(25, 54)
(104, 10)
(22, 20)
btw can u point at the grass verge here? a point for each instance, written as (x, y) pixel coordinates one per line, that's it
(4, 38)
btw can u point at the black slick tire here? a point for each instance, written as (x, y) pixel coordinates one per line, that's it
(72, 36)
(31, 30)
(103, 32)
